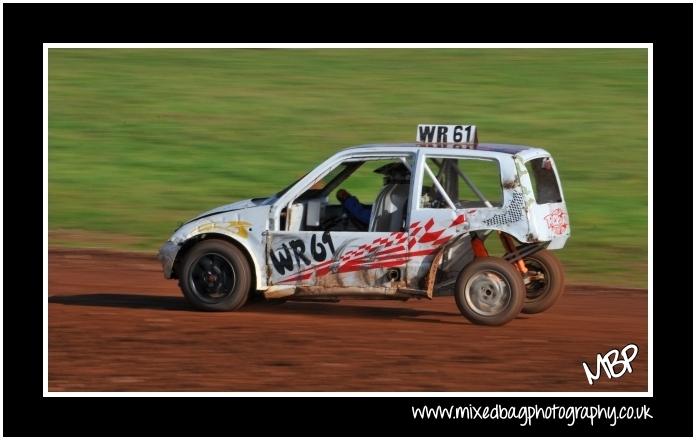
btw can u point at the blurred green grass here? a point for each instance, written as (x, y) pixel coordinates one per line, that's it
(142, 139)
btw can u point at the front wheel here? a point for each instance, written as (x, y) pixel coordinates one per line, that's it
(545, 281)
(490, 291)
(215, 276)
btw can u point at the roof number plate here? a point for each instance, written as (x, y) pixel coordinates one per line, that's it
(446, 134)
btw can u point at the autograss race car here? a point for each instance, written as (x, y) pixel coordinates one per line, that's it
(422, 233)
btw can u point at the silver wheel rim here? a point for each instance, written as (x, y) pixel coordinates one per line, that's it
(487, 293)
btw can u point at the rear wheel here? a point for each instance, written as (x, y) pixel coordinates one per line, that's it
(215, 276)
(545, 281)
(489, 291)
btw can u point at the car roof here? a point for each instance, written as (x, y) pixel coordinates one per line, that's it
(508, 149)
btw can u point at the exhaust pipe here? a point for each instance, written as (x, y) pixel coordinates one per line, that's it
(393, 274)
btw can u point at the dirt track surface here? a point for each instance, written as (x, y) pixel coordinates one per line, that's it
(115, 324)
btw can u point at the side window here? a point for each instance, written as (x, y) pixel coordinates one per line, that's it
(379, 193)
(469, 182)
(360, 194)
(484, 175)
(544, 181)
(364, 183)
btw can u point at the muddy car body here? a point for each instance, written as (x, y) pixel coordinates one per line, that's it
(426, 235)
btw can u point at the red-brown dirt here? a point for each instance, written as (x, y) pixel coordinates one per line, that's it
(115, 324)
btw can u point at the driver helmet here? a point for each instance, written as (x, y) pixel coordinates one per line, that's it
(395, 172)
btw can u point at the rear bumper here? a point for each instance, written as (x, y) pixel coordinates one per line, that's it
(167, 256)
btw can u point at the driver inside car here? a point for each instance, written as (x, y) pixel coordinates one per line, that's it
(394, 173)
(353, 207)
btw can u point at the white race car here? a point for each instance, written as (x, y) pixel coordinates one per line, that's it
(422, 233)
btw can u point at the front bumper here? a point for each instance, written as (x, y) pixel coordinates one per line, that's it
(167, 256)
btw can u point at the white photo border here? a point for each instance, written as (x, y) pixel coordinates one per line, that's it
(649, 46)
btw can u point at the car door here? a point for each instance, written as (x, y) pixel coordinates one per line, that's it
(331, 258)
(337, 259)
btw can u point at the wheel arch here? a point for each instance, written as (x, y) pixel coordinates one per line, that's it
(192, 241)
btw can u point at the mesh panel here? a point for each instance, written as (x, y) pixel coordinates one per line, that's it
(513, 212)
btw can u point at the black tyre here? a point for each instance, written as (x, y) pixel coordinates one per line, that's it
(215, 276)
(545, 281)
(490, 291)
